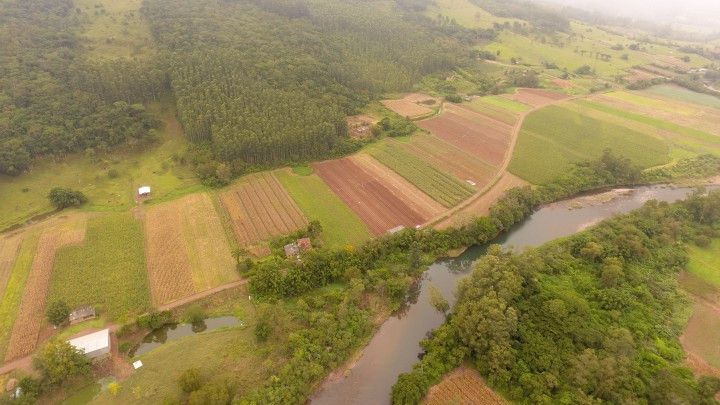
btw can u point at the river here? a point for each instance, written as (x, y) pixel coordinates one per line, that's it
(396, 345)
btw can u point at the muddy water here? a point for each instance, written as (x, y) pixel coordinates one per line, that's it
(395, 347)
(174, 331)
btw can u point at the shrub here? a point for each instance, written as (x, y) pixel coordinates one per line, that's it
(263, 329)
(154, 320)
(454, 98)
(59, 360)
(57, 312)
(213, 393)
(190, 380)
(114, 388)
(195, 314)
(125, 347)
(63, 198)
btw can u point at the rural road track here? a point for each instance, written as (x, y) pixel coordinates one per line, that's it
(201, 294)
(501, 170)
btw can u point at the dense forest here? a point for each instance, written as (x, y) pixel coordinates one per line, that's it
(272, 81)
(45, 107)
(592, 318)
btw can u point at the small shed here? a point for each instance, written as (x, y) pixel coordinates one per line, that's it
(304, 244)
(82, 314)
(95, 345)
(292, 250)
(144, 191)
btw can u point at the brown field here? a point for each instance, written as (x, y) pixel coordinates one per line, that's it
(378, 203)
(563, 84)
(481, 206)
(472, 132)
(60, 232)
(187, 250)
(9, 250)
(637, 75)
(463, 386)
(449, 158)
(360, 126)
(411, 106)
(260, 209)
(536, 97)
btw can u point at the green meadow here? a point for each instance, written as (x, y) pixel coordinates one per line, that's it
(682, 94)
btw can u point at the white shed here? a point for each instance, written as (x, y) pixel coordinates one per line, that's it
(144, 191)
(94, 345)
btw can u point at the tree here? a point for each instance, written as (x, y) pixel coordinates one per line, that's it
(57, 312)
(62, 198)
(190, 380)
(114, 388)
(216, 393)
(438, 301)
(58, 361)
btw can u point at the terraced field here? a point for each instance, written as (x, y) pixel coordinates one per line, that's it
(441, 186)
(553, 138)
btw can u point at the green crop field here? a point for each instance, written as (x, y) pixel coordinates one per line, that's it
(108, 270)
(555, 137)
(109, 181)
(441, 186)
(500, 108)
(341, 227)
(12, 297)
(705, 262)
(679, 93)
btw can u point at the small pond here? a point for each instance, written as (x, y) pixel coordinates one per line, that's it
(175, 331)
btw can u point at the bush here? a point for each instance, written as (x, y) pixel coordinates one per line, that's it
(58, 361)
(125, 347)
(114, 388)
(585, 70)
(190, 380)
(263, 330)
(213, 393)
(195, 314)
(57, 312)
(454, 98)
(62, 198)
(154, 320)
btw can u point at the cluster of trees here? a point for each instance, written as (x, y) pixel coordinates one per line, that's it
(45, 107)
(541, 17)
(592, 318)
(265, 83)
(62, 198)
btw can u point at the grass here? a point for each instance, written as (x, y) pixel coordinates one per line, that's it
(705, 262)
(464, 12)
(107, 271)
(555, 137)
(641, 100)
(679, 93)
(341, 226)
(115, 28)
(25, 196)
(441, 186)
(504, 103)
(497, 108)
(16, 285)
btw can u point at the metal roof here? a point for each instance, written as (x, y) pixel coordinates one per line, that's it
(144, 190)
(92, 341)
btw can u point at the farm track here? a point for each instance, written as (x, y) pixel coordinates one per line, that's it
(30, 317)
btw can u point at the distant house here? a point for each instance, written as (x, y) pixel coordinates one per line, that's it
(292, 250)
(95, 345)
(82, 314)
(144, 191)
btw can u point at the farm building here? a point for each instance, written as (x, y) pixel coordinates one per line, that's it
(82, 314)
(144, 191)
(94, 345)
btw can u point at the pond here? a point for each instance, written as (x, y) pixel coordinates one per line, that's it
(175, 331)
(396, 345)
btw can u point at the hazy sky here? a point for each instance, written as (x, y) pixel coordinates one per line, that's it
(702, 14)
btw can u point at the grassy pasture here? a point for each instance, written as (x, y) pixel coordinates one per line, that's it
(555, 137)
(25, 196)
(12, 296)
(341, 226)
(653, 102)
(705, 263)
(465, 13)
(115, 28)
(108, 270)
(682, 94)
(441, 186)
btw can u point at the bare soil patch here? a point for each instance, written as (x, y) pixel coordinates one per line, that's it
(563, 84)
(63, 231)
(379, 207)
(536, 97)
(412, 106)
(463, 386)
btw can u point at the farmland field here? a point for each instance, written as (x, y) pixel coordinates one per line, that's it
(380, 204)
(472, 132)
(680, 93)
(705, 263)
(187, 249)
(260, 209)
(410, 106)
(500, 108)
(536, 97)
(555, 137)
(463, 386)
(31, 313)
(107, 271)
(9, 250)
(341, 227)
(442, 187)
(449, 158)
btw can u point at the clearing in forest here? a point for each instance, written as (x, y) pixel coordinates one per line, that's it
(554, 138)
(260, 209)
(463, 386)
(441, 186)
(475, 133)
(187, 248)
(33, 278)
(341, 226)
(536, 97)
(381, 198)
(412, 106)
(107, 270)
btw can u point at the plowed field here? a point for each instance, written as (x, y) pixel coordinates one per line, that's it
(463, 386)
(187, 250)
(30, 317)
(410, 106)
(382, 203)
(477, 134)
(261, 209)
(9, 250)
